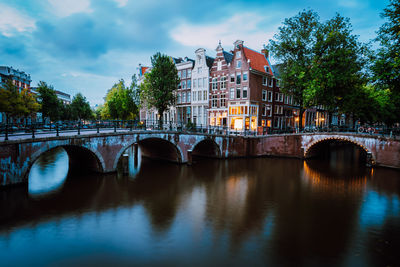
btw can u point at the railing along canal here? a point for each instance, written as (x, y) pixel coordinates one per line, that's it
(65, 128)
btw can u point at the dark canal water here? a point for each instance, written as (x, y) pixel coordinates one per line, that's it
(243, 212)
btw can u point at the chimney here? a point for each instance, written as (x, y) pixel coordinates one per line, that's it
(265, 52)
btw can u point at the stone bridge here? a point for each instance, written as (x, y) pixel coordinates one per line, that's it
(101, 152)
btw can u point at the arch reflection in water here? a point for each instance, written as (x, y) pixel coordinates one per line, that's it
(48, 173)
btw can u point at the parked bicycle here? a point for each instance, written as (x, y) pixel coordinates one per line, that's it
(366, 129)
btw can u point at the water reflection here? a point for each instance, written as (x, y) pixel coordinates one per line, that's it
(48, 173)
(239, 212)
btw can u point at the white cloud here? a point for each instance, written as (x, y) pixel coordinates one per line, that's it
(11, 21)
(244, 26)
(64, 8)
(121, 3)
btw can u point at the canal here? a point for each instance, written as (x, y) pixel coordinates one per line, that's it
(328, 211)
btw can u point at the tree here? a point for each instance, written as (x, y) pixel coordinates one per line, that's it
(120, 102)
(50, 106)
(29, 102)
(158, 88)
(80, 108)
(136, 90)
(65, 111)
(294, 47)
(337, 66)
(11, 102)
(386, 66)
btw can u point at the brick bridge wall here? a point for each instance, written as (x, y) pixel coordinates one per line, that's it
(101, 152)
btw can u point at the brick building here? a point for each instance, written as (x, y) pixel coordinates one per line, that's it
(219, 75)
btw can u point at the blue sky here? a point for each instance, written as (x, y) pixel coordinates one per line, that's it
(88, 45)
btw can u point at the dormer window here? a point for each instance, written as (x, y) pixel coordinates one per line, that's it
(238, 54)
(266, 69)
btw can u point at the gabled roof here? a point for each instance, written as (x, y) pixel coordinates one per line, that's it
(143, 70)
(189, 59)
(228, 57)
(258, 61)
(209, 61)
(176, 60)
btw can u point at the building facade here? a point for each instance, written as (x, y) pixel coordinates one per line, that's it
(184, 92)
(218, 97)
(200, 87)
(19, 78)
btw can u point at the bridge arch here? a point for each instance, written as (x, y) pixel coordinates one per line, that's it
(154, 147)
(311, 149)
(206, 147)
(79, 157)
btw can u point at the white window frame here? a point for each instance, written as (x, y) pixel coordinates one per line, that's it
(245, 90)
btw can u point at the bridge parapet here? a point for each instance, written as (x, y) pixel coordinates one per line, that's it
(103, 150)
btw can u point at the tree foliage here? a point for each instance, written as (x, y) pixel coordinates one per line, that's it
(294, 47)
(14, 103)
(29, 102)
(386, 67)
(120, 101)
(337, 67)
(158, 88)
(80, 108)
(50, 105)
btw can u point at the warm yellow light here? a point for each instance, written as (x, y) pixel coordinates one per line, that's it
(238, 124)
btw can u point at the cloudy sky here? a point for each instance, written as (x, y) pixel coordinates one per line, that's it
(88, 45)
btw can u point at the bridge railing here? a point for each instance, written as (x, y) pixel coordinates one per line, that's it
(32, 130)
